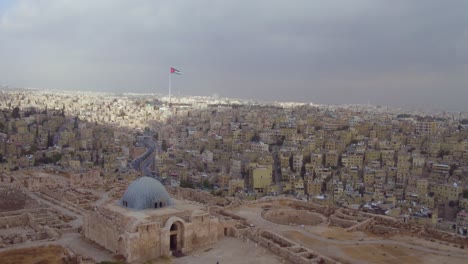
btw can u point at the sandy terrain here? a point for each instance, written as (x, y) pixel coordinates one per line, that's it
(231, 251)
(358, 247)
(371, 253)
(12, 199)
(35, 255)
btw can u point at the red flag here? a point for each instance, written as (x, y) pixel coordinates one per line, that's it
(174, 70)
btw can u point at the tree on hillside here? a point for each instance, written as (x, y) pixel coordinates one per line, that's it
(50, 140)
(15, 113)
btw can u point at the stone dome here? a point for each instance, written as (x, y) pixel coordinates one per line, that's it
(145, 193)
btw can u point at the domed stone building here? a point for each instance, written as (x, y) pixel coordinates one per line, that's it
(145, 193)
(146, 223)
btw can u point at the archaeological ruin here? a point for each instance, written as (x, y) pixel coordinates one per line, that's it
(147, 223)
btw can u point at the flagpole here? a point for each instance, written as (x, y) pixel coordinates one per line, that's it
(170, 84)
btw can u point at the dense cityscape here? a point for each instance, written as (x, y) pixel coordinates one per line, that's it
(272, 173)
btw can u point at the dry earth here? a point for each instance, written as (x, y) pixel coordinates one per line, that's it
(37, 255)
(232, 251)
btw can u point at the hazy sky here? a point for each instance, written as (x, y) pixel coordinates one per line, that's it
(399, 52)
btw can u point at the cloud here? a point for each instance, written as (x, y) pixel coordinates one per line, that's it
(325, 51)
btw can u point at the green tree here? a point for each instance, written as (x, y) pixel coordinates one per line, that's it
(164, 145)
(50, 140)
(187, 184)
(207, 184)
(33, 148)
(465, 194)
(255, 137)
(75, 123)
(16, 112)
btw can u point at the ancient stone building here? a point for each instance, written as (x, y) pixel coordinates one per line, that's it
(147, 223)
(86, 179)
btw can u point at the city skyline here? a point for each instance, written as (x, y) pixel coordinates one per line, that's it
(335, 52)
(101, 175)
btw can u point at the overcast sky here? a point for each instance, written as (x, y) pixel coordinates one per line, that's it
(399, 53)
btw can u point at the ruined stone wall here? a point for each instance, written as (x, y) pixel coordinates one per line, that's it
(15, 238)
(325, 210)
(386, 225)
(286, 248)
(14, 220)
(383, 230)
(341, 222)
(88, 179)
(449, 237)
(362, 226)
(226, 227)
(197, 196)
(239, 230)
(32, 224)
(350, 215)
(228, 214)
(292, 216)
(298, 204)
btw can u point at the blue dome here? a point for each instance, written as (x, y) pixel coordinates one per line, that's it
(145, 193)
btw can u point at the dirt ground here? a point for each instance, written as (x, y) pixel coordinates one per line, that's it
(37, 255)
(370, 253)
(340, 234)
(12, 199)
(357, 247)
(231, 251)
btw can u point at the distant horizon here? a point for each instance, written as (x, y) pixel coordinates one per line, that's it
(426, 111)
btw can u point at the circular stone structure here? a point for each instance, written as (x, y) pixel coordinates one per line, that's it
(145, 193)
(292, 216)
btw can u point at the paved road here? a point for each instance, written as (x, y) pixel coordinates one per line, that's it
(145, 162)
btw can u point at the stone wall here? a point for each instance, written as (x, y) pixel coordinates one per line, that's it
(383, 230)
(30, 225)
(350, 215)
(198, 196)
(90, 178)
(14, 220)
(150, 239)
(144, 245)
(297, 204)
(292, 216)
(449, 237)
(102, 231)
(286, 248)
(362, 226)
(335, 221)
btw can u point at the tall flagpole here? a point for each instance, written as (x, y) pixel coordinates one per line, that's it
(170, 84)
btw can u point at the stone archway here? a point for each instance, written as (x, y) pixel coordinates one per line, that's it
(176, 237)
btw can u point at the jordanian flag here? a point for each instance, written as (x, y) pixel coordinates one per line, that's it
(175, 71)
